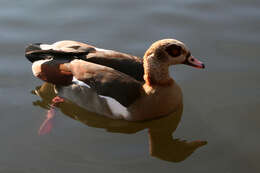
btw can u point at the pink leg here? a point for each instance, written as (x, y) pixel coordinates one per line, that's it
(47, 125)
(57, 100)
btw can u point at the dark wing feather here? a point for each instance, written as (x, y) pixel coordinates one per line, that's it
(130, 65)
(107, 81)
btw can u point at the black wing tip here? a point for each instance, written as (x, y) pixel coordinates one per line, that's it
(30, 50)
(33, 47)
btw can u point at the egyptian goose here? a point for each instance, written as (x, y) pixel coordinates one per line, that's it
(135, 89)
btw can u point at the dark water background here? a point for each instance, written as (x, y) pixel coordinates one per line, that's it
(221, 103)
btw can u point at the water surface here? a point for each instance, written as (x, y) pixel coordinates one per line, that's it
(221, 103)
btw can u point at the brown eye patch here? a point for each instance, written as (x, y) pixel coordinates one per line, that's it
(174, 50)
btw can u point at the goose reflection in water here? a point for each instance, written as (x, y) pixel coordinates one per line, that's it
(160, 131)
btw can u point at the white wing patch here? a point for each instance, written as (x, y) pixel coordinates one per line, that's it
(102, 50)
(66, 48)
(80, 83)
(118, 110)
(47, 47)
(55, 47)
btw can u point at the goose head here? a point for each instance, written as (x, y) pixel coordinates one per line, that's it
(172, 52)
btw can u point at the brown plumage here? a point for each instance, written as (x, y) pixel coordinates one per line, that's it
(143, 87)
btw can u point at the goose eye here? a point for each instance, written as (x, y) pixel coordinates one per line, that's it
(174, 50)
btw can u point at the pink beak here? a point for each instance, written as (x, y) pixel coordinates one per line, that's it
(194, 62)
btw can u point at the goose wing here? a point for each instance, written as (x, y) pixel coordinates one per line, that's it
(70, 50)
